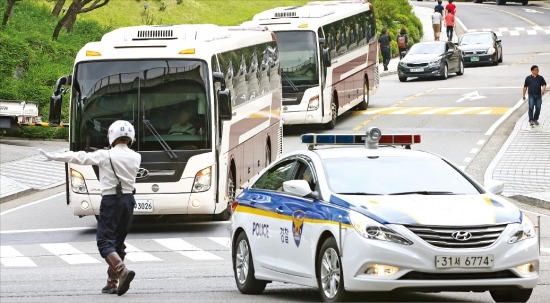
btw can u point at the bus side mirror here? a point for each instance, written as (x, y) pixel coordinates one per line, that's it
(225, 108)
(219, 77)
(56, 99)
(327, 61)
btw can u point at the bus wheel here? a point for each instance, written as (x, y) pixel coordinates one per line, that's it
(243, 268)
(334, 110)
(365, 103)
(226, 213)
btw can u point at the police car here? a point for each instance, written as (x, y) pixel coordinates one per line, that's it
(356, 213)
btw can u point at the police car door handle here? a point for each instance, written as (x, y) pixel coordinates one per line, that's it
(279, 210)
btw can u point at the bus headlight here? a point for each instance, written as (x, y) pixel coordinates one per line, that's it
(371, 229)
(526, 230)
(78, 185)
(203, 180)
(313, 103)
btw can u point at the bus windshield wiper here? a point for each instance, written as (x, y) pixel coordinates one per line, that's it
(423, 192)
(163, 143)
(294, 87)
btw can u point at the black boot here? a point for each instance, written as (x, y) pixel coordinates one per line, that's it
(111, 286)
(123, 275)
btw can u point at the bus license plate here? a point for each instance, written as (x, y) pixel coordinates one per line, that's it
(474, 59)
(464, 261)
(144, 206)
(416, 70)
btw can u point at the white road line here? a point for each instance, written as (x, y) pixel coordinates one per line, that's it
(224, 241)
(468, 159)
(69, 253)
(20, 231)
(545, 249)
(474, 150)
(187, 249)
(480, 142)
(477, 88)
(30, 204)
(137, 255)
(10, 257)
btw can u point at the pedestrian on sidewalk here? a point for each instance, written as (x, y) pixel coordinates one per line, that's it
(451, 6)
(436, 24)
(535, 86)
(450, 23)
(439, 8)
(384, 46)
(402, 43)
(117, 201)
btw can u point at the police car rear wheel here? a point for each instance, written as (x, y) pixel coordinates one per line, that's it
(513, 295)
(243, 268)
(329, 268)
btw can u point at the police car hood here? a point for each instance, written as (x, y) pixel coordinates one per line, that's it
(434, 210)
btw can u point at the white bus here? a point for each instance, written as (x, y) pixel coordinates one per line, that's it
(226, 78)
(328, 56)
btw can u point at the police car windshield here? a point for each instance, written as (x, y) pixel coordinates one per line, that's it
(396, 175)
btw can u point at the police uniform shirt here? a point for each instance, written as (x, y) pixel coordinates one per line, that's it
(125, 161)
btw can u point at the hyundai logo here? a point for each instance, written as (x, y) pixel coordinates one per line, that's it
(142, 173)
(461, 235)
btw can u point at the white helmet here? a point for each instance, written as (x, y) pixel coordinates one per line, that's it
(121, 129)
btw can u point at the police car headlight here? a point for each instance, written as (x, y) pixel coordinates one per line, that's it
(203, 180)
(526, 230)
(371, 229)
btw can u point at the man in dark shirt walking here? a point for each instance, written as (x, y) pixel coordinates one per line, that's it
(535, 86)
(384, 45)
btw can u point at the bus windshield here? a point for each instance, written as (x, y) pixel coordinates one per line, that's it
(298, 60)
(165, 100)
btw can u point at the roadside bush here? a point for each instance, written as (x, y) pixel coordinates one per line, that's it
(37, 132)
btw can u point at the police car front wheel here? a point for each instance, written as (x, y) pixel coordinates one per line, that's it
(243, 268)
(330, 277)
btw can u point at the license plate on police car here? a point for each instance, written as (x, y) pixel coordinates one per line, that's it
(143, 206)
(474, 59)
(464, 261)
(416, 70)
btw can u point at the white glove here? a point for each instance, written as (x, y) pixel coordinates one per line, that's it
(49, 157)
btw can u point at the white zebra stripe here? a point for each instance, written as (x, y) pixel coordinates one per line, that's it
(10, 257)
(69, 254)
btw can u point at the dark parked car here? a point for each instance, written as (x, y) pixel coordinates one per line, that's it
(481, 48)
(431, 59)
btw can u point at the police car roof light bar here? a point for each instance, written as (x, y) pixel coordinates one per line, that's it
(312, 140)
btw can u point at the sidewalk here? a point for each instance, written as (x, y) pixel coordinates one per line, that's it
(523, 162)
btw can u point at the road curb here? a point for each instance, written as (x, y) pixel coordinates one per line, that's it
(531, 201)
(18, 195)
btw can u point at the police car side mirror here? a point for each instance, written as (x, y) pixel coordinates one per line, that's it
(299, 188)
(494, 186)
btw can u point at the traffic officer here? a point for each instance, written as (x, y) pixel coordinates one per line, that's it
(118, 167)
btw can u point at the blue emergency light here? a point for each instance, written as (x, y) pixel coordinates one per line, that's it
(371, 139)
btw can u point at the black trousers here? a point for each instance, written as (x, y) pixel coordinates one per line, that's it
(113, 224)
(385, 56)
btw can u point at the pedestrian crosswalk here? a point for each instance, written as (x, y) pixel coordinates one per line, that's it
(516, 31)
(191, 249)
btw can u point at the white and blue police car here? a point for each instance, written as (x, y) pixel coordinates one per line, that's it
(359, 213)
